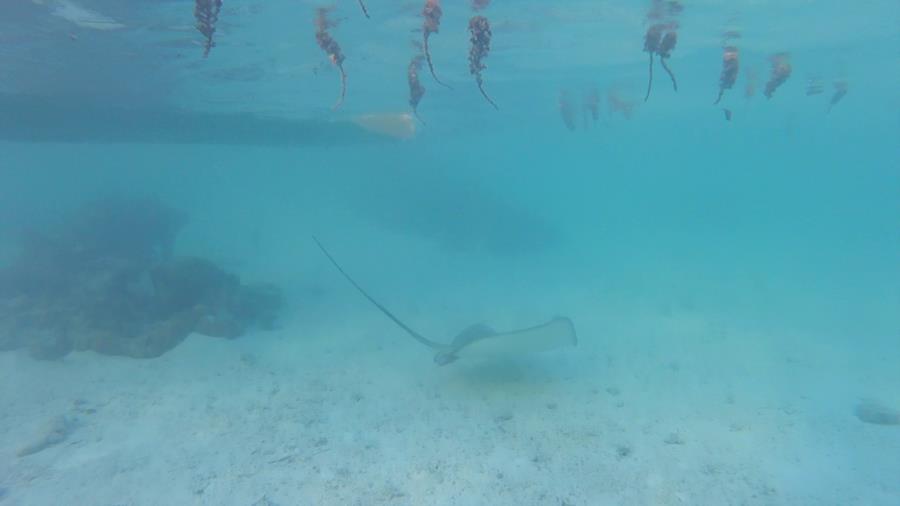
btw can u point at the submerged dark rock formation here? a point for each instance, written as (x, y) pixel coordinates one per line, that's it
(870, 411)
(106, 280)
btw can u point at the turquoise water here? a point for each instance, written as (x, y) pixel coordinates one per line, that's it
(734, 284)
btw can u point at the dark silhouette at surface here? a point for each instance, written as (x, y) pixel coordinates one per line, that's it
(730, 65)
(480, 38)
(661, 37)
(331, 48)
(781, 71)
(77, 119)
(416, 90)
(206, 12)
(431, 23)
(840, 90)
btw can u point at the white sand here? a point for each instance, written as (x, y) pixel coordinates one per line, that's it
(360, 415)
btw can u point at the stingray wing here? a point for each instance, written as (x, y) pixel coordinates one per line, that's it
(471, 334)
(557, 333)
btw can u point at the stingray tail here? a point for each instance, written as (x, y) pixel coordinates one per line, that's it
(415, 335)
(364, 9)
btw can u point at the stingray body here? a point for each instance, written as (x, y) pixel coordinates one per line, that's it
(480, 340)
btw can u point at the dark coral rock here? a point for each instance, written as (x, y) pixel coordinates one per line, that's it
(260, 303)
(48, 345)
(106, 281)
(186, 282)
(228, 308)
(873, 412)
(158, 337)
(217, 325)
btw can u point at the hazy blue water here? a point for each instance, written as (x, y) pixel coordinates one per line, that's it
(783, 221)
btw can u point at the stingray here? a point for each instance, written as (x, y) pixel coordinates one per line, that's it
(480, 340)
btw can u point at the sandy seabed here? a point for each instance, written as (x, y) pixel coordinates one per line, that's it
(656, 410)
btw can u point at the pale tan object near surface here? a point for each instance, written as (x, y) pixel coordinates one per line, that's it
(395, 125)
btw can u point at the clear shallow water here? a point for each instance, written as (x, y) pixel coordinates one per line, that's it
(733, 283)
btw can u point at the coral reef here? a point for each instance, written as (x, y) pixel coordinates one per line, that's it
(106, 280)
